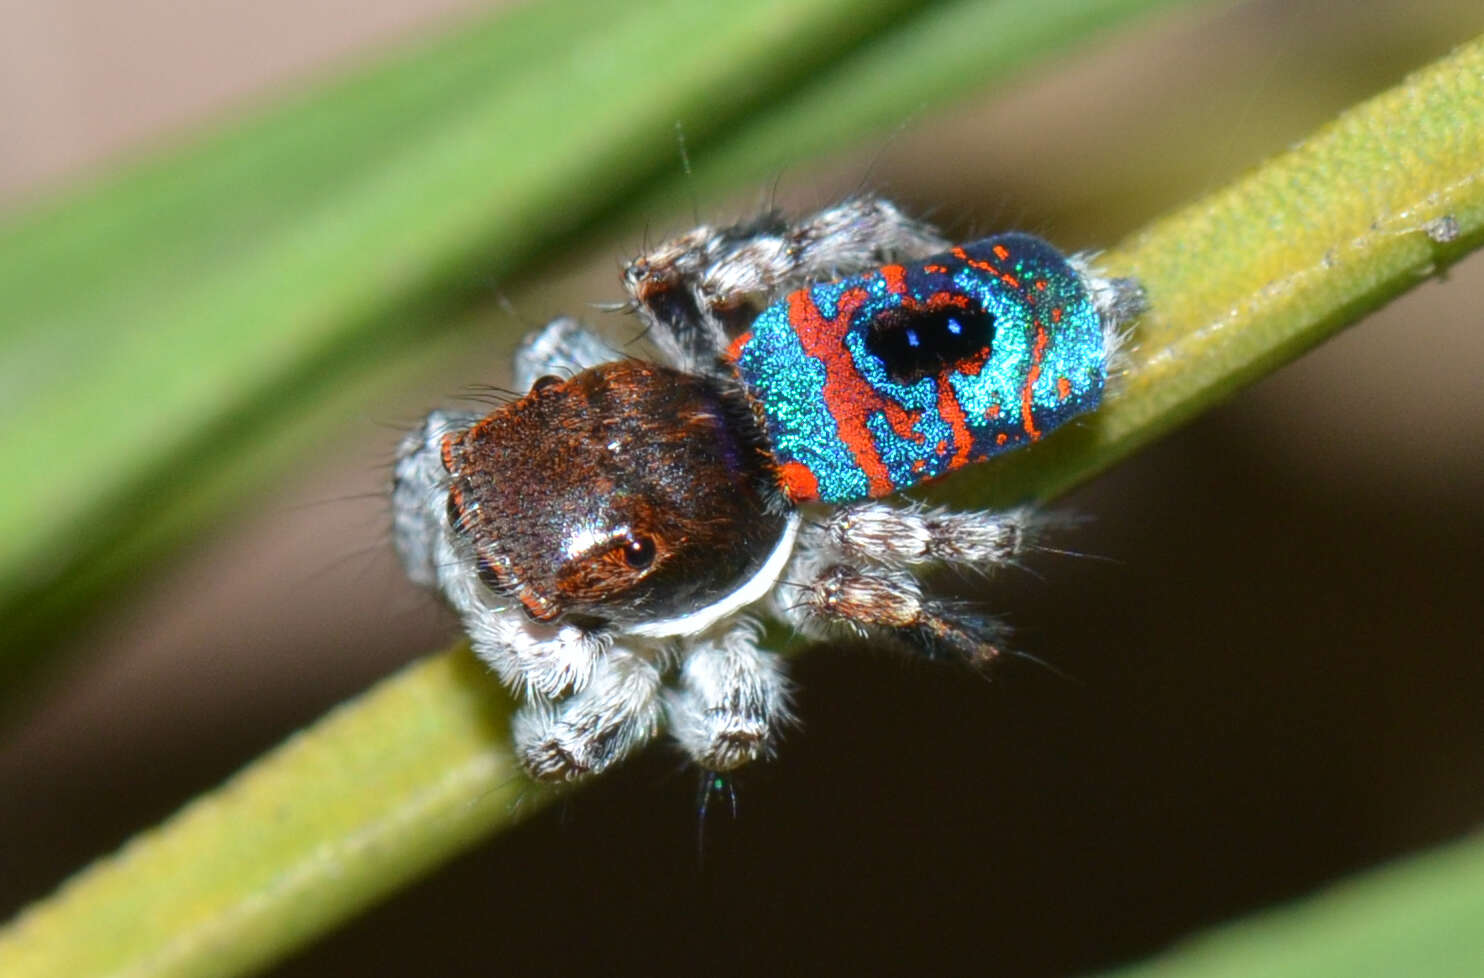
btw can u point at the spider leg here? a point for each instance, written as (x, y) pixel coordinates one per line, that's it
(732, 702)
(562, 347)
(1119, 301)
(696, 291)
(534, 659)
(827, 587)
(893, 605)
(618, 711)
(912, 535)
(420, 495)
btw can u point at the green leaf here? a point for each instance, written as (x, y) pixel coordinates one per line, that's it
(374, 794)
(1415, 917)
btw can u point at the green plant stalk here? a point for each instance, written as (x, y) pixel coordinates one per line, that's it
(1415, 917)
(1243, 281)
(170, 336)
(321, 826)
(419, 768)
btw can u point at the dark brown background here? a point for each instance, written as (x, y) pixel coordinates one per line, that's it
(1275, 638)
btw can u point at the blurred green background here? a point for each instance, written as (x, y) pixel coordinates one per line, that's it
(1273, 631)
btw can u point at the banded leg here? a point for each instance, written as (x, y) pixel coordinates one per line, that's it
(909, 536)
(562, 348)
(420, 495)
(1119, 301)
(617, 712)
(892, 605)
(732, 702)
(831, 584)
(694, 291)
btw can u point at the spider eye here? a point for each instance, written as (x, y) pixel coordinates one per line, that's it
(638, 552)
(545, 381)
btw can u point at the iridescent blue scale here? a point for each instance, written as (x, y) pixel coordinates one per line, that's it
(874, 383)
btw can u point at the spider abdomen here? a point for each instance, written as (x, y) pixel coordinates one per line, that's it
(874, 383)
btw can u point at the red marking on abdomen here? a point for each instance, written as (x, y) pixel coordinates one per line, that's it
(1063, 388)
(734, 351)
(973, 366)
(904, 423)
(1010, 281)
(1031, 377)
(896, 278)
(848, 396)
(799, 482)
(953, 412)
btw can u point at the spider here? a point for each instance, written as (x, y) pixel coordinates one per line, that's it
(610, 538)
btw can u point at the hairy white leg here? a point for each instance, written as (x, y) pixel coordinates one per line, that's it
(1118, 301)
(824, 588)
(694, 290)
(561, 348)
(547, 660)
(732, 702)
(420, 494)
(892, 605)
(853, 236)
(617, 712)
(530, 657)
(912, 535)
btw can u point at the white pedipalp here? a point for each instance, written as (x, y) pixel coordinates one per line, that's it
(732, 701)
(617, 711)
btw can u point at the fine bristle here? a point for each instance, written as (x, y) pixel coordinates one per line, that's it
(1119, 301)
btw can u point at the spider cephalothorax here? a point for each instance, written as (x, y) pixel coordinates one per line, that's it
(654, 492)
(614, 528)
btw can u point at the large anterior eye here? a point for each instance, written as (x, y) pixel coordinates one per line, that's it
(638, 551)
(917, 343)
(611, 567)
